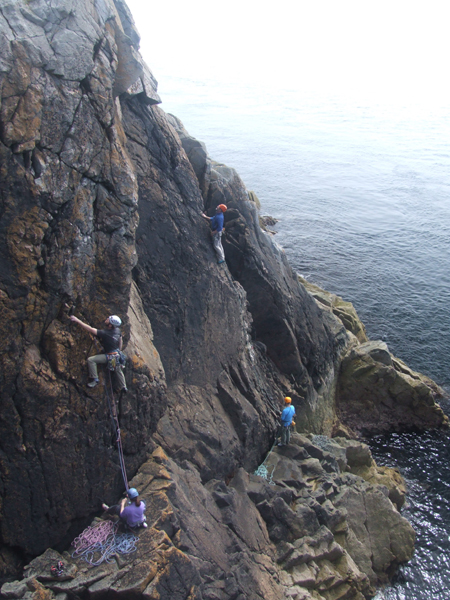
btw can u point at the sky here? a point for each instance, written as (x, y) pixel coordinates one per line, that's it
(386, 49)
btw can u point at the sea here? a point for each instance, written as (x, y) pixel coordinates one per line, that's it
(361, 192)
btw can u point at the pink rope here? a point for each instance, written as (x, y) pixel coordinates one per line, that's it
(101, 543)
(97, 534)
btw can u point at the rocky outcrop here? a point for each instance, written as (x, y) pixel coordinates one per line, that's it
(312, 530)
(302, 341)
(101, 212)
(344, 310)
(377, 393)
(69, 215)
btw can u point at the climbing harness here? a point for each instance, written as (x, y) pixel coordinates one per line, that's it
(115, 360)
(262, 470)
(99, 543)
(115, 421)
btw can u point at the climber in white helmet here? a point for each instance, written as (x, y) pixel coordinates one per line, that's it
(111, 340)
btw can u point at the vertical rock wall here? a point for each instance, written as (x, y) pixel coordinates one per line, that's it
(68, 201)
(100, 200)
(96, 190)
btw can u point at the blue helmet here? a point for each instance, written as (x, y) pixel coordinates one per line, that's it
(115, 321)
(132, 493)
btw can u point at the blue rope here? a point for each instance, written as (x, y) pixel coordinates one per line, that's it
(262, 470)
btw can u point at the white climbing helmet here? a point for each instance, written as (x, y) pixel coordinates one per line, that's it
(115, 321)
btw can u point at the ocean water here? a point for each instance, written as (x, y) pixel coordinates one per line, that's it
(362, 193)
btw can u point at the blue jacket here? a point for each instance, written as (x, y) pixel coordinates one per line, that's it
(217, 222)
(287, 415)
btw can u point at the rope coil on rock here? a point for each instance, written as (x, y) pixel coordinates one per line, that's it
(91, 535)
(262, 470)
(99, 543)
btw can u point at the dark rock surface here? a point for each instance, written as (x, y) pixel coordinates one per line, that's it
(305, 532)
(301, 340)
(69, 216)
(378, 393)
(101, 195)
(97, 191)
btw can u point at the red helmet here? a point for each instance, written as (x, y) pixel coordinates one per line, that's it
(222, 207)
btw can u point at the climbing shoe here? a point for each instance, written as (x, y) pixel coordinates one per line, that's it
(105, 506)
(220, 262)
(92, 383)
(144, 524)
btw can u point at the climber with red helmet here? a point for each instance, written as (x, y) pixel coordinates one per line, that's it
(111, 340)
(216, 231)
(133, 513)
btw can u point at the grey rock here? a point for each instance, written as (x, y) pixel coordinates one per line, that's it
(344, 311)
(368, 540)
(332, 447)
(15, 589)
(39, 568)
(313, 548)
(375, 397)
(269, 285)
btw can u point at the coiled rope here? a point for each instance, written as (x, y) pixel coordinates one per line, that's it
(99, 543)
(262, 470)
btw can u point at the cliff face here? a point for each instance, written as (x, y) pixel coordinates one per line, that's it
(101, 195)
(97, 192)
(69, 200)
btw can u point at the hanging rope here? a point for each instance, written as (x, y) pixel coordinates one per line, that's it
(115, 420)
(100, 542)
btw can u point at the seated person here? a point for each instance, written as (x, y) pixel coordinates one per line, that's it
(133, 513)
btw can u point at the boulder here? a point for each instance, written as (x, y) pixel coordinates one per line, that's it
(27, 589)
(361, 463)
(370, 538)
(377, 394)
(345, 311)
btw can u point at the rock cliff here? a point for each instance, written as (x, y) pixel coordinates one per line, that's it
(378, 393)
(101, 195)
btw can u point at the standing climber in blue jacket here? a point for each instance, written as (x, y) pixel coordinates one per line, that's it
(287, 417)
(216, 231)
